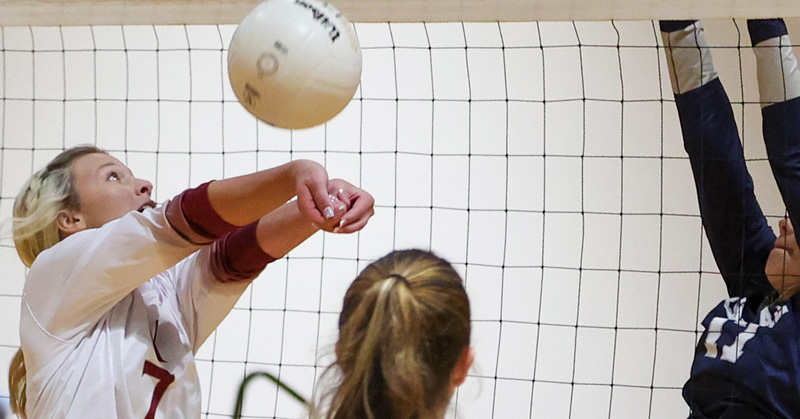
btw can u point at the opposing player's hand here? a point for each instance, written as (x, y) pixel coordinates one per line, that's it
(311, 180)
(359, 205)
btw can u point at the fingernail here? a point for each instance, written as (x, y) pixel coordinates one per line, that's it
(341, 190)
(336, 230)
(342, 222)
(342, 207)
(328, 213)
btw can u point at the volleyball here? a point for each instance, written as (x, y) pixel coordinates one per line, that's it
(294, 63)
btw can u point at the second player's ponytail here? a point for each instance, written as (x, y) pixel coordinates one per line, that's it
(404, 326)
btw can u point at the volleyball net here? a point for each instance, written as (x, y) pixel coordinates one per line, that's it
(543, 159)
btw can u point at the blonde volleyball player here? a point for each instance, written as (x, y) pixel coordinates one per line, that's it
(121, 292)
(404, 340)
(746, 363)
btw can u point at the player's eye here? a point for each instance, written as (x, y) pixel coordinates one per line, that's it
(113, 176)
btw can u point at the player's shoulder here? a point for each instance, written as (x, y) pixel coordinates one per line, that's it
(91, 239)
(57, 258)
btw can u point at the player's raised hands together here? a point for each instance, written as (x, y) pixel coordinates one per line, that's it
(322, 200)
(313, 200)
(359, 205)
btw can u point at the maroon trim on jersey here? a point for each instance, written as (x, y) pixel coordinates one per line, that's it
(237, 256)
(192, 216)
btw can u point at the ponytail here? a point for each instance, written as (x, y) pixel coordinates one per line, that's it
(17, 384)
(403, 327)
(385, 374)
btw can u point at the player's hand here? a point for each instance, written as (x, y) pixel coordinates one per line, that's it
(311, 182)
(359, 205)
(339, 210)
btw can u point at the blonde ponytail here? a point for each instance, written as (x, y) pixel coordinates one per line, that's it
(404, 324)
(47, 192)
(17, 384)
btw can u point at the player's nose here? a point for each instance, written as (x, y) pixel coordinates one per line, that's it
(783, 225)
(143, 187)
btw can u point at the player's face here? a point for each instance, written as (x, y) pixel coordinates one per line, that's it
(107, 190)
(783, 264)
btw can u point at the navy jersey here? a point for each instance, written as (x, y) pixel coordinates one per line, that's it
(747, 361)
(746, 364)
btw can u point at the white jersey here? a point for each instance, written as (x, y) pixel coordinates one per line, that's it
(111, 319)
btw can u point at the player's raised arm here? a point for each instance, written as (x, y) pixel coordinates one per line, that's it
(125, 249)
(244, 199)
(737, 231)
(209, 283)
(779, 91)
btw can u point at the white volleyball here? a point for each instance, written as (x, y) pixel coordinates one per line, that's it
(294, 63)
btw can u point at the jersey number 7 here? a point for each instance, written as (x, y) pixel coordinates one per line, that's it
(164, 380)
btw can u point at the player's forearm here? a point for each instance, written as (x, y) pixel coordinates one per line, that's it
(244, 199)
(283, 229)
(242, 254)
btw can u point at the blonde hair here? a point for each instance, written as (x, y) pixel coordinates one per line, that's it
(404, 325)
(47, 192)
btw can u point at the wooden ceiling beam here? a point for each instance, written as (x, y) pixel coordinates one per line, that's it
(133, 12)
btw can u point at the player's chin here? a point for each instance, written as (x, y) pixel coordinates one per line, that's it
(776, 267)
(783, 272)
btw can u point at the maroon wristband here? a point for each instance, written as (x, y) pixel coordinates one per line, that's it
(237, 256)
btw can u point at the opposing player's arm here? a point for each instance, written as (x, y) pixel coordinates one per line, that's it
(779, 94)
(735, 226)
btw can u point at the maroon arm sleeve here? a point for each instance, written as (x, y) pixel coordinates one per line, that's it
(237, 256)
(235, 253)
(192, 216)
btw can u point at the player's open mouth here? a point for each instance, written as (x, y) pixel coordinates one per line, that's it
(149, 204)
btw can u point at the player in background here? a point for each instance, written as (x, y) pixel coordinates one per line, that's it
(122, 292)
(747, 362)
(404, 335)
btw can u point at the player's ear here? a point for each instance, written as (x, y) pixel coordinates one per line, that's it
(462, 367)
(69, 222)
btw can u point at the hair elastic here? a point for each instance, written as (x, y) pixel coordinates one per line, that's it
(400, 278)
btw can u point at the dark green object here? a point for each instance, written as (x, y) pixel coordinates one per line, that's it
(237, 414)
